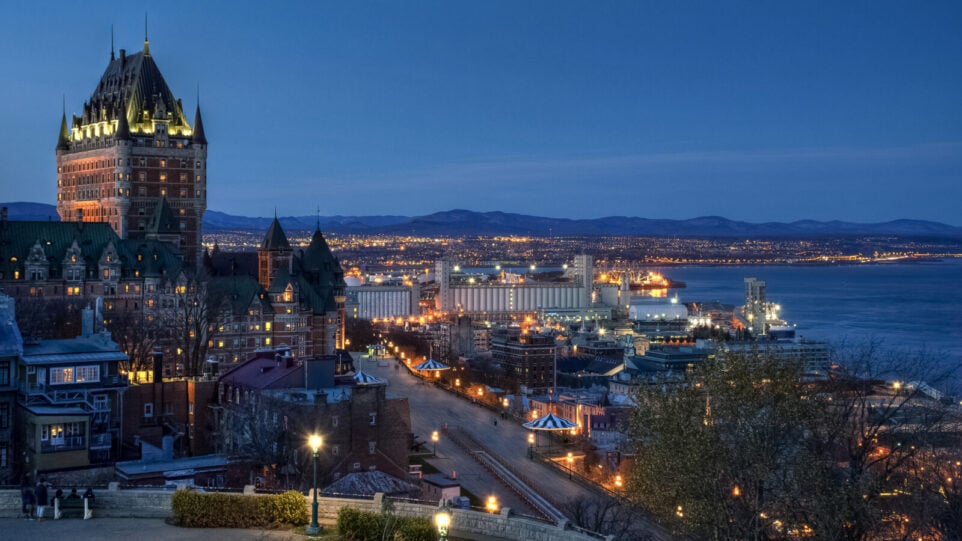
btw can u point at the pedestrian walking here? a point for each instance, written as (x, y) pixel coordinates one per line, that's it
(41, 496)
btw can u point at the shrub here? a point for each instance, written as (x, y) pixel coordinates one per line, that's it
(416, 529)
(354, 525)
(201, 510)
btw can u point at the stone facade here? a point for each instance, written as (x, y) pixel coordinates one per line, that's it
(464, 524)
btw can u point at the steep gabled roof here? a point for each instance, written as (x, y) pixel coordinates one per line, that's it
(130, 85)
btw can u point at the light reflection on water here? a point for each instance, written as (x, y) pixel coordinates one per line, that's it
(906, 306)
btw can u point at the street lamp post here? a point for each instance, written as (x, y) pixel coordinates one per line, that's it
(315, 442)
(571, 460)
(531, 446)
(443, 521)
(434, 439)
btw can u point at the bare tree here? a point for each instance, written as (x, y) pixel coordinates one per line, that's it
(136, 334)
(192, 320)
(45, 318)
(257, 435)
(603, 514)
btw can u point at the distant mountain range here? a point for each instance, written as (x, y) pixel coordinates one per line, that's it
(465, 222)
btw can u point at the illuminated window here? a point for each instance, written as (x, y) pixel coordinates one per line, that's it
(60, 376)
(163, 177)
(87, 374)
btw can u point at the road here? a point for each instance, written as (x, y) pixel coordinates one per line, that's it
(432, 407)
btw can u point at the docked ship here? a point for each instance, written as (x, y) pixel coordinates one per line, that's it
(643, 280)
(646, 280)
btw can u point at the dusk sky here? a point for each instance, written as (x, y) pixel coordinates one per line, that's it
(751, 110)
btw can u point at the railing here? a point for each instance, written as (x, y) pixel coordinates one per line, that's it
(538, 503)
(69, 443)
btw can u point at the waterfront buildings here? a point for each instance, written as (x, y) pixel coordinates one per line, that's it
(526, 357)
(510, 295)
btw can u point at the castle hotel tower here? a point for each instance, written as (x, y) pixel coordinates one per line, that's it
(131, 159)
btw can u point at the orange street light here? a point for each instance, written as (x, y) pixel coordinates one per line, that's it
(492, 504)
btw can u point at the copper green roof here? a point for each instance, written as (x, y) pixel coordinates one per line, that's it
(239, 292)
(146, 257)
(162, 220)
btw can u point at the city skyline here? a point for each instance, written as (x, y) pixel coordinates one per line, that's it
(834, 113)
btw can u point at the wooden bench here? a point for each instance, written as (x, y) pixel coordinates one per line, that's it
(72, 508)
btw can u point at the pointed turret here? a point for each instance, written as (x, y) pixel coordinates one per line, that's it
(123, 127)
(274, 255)
(275, 239)
(63, 141)
(198, 136)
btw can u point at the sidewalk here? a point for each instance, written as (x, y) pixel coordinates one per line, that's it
(131, 528)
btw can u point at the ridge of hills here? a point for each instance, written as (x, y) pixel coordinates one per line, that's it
(460, 222)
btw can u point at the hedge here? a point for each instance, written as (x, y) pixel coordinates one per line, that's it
(212, 510)
(354, 525)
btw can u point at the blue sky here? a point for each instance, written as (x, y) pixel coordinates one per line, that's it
(751, 110)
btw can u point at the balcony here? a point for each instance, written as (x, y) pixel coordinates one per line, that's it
(67, 443)
(100, 441)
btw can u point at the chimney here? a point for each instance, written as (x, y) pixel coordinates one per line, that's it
(158, 356)
(87, 322)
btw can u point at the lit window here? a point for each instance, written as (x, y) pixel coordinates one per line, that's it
(60, 376)
(87, 374)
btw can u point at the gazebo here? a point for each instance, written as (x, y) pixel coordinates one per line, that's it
(430, 365)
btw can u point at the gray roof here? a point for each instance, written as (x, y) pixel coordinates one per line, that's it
(141, 467)
(366, 484)
(96, 348)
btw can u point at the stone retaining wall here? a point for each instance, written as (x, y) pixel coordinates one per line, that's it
(139, 503)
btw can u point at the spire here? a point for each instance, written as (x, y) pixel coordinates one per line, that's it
(198, 135)
(146, 41)
(112, 43)
(63, 141)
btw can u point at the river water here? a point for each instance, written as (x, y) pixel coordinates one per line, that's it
(908, 307)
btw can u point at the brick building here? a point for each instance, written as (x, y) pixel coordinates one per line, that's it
(269, 405)
(130, 148)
